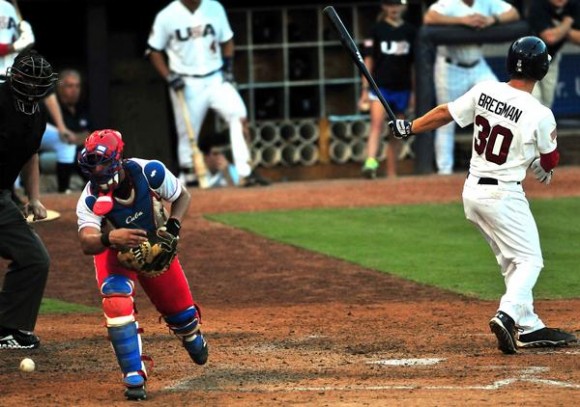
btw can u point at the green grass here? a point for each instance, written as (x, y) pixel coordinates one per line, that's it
(53, 306)
(431, 244)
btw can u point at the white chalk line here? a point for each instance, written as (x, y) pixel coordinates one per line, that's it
(526, 375)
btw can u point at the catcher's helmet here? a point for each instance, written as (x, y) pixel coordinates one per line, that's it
(31, 78)
(528, 58)
(101, 158)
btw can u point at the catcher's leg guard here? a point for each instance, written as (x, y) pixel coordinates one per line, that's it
(185, 325)
(123, 332)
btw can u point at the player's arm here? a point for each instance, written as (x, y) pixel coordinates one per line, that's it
(94, 241)
(435, 118)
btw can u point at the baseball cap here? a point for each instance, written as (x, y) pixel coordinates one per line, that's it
(395, 2)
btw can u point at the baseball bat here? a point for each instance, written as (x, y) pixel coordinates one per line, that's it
(349, 44)
(198, 163)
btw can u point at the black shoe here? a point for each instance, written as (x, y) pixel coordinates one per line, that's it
(504, 328)
(255, 179)
(136, 393)
(197, 349)
(546, 337)
(16, 339)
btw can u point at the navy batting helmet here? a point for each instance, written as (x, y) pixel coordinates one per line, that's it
(528, 58)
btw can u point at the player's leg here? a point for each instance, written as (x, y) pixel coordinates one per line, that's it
(117, 290)
(545, 90)
(377, 113)
(228, 104)
(25, 279)
(171, 295)
(448, 80)
(399, 100)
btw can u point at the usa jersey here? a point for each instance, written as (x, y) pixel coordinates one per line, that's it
(191, 40)
(510, 129)
(152, 183)
(8, 33)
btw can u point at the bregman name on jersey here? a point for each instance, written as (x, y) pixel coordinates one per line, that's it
(499, 108)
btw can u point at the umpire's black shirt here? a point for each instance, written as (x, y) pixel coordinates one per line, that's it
(20, 136)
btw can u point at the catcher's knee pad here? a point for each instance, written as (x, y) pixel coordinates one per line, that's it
(184, 323)
(117, 293)
(126, 343)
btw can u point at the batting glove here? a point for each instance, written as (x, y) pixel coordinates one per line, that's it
(175, 81)
(545, 177)
(401, 128)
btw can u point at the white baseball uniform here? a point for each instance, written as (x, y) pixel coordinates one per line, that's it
(457, 69)
(192, 43)
(8, 33)
(511, 129)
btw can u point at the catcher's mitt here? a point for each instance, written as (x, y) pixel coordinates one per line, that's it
(152, 257)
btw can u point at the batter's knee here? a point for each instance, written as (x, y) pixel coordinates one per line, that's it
(117, 292)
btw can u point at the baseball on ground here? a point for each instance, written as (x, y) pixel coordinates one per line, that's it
(27, 365)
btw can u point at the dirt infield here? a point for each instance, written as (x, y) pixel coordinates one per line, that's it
(287, 327)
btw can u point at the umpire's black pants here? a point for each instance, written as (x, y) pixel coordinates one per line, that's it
(27, 271)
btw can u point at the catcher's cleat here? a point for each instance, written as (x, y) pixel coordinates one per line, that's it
(136, 393)
(197, 348)
(135, 386)
(16, 339)
(546, 337)
(369, 169)
(504, 328)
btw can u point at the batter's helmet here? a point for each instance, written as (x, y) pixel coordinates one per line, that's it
(31, 79)
(101, 158)
(528, 58)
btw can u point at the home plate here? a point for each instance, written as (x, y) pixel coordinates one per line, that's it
(406, 362)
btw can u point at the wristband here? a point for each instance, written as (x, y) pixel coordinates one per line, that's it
(173, 226)
(227, 64)
(105, 239)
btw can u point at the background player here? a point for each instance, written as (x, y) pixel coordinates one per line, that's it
(389, 56)
(136, 189)
(512, 131)
(196, 38)
(459, 67)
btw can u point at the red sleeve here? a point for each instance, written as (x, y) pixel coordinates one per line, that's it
(4, 49)
(550, 160)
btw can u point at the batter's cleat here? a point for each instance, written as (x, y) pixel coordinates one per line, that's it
(369, 169)
(17, 339)
(504, 328)
(135, 386)
(546, 337)
(197, 348)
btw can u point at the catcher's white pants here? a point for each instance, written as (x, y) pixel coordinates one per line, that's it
(452, 81)
(200, 95)
(502, 214)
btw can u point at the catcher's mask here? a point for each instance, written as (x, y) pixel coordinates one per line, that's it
(31, 78)
(101, 158)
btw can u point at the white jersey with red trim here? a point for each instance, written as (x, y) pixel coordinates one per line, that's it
(8, 33)
(191, 40)
(511, 129)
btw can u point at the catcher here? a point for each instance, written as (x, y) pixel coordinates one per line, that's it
(124, 224)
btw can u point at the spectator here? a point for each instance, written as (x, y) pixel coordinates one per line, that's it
(196, 38)
(22, 124)
(15, 36)
(556, 22)
(389, 56)
(76, 122)
(493, 197)
(217, 156)
(459, 67)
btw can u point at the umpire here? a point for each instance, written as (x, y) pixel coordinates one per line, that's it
(22, 124)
